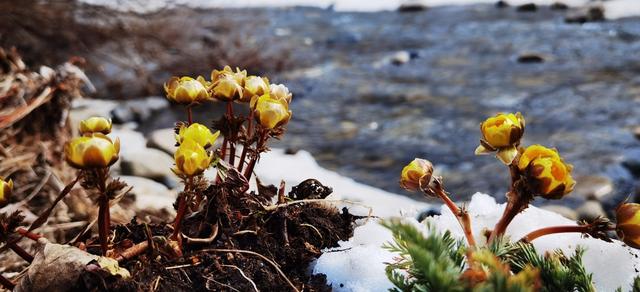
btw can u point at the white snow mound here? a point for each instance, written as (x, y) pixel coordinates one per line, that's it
(358, 264)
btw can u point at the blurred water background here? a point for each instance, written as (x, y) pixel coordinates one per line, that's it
(372, 90)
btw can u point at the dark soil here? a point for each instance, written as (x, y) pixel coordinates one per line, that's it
(291, 236)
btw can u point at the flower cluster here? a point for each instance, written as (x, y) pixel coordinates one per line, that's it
(268, 106)
(536, 171)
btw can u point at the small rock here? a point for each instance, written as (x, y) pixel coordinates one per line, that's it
(412, 6)
(632, 162)
(150, 195)
(528, 7)
(431, 212)
(636, 132)
(502, 4)
(590, 210)
(562, 210)
(530, 59)
(593, 187)
(138, 110)
(589, 14)
(400, 58)
(163, 139)
(130, 141)
(559, 6)
(148, 162)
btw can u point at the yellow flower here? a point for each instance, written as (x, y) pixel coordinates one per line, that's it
(270, 112)
(501, 133)
(256, 85)
(228, 85)
(628, 227)
(281, 92)
(6, 188)
(95, 125)
(198, 133)
(191, 159)
(186, 90)
(546, 172)
(95, 151)
(416, 174)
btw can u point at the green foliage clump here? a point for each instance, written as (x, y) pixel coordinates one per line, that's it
(434, 261)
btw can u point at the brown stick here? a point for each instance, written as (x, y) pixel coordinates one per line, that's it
(20, 251)
(6, 283)
(28, 234)
(133, 251)
(555, 229)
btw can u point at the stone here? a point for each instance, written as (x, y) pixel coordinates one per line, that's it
(562, 210)
(412, 6)
(527, 7)
(530, 58)
(502, 4)
(401, 57)
(148, 162)
(587, 14)
(593, 187)
(138, 110)
(150, 195)
(590, 210)
(163, 139)
(130, 141)
(559, 6)
(636, 132)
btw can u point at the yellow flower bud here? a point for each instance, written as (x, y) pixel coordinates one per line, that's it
(95, 125)
(546, 172)
(256, 85)
(281, 92)
(416, 174)
(186, 90)
(95, 151)
(6, 188)
(191, 159)
(228, 85)
(270, 112)
(198, 133)
(501, 133)
(628, 227)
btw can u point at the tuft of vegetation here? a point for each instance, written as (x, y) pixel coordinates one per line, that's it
(434, 261)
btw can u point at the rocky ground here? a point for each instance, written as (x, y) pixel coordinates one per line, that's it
(374, 90)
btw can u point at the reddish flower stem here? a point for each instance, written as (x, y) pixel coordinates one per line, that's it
(182, 209)
(232, 138)
(555, 229)
(104, 216)
(517, 201)
(6, 283)
(189, 115)
(103, 224)
(247, 144)
(462, 216)
(259, 145)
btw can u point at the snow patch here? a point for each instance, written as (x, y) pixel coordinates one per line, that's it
(358, 264)
(293, 169)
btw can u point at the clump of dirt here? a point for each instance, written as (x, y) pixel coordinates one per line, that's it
(255, 244)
